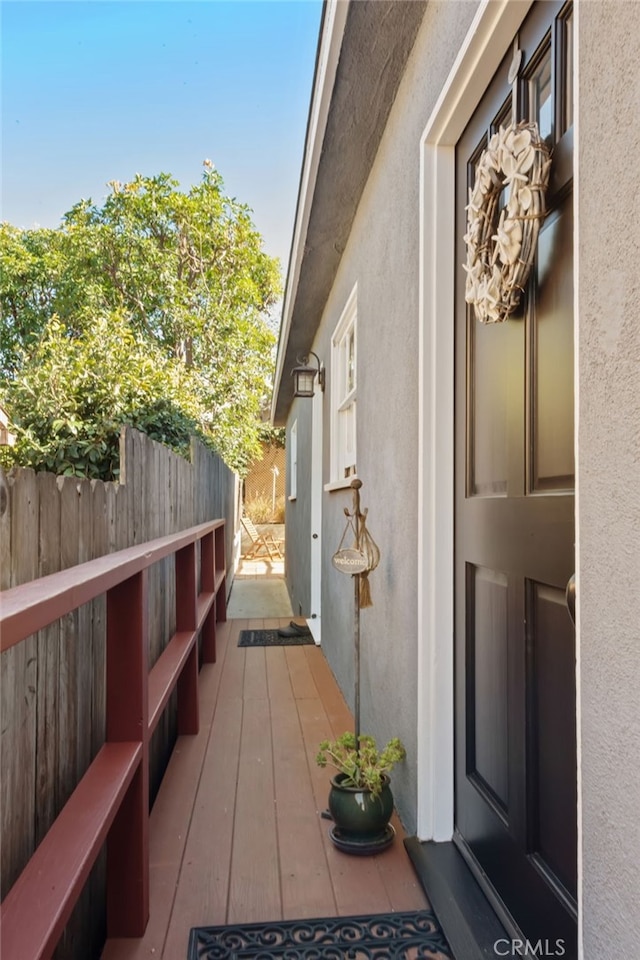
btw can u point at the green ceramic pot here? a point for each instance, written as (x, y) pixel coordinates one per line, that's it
(356, 813)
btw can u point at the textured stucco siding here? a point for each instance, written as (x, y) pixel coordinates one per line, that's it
(298, 512)
(382, 257)
(608, 296)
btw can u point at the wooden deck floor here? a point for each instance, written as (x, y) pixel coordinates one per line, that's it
(236, 834)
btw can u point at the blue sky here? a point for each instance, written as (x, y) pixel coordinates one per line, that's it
(95, 91)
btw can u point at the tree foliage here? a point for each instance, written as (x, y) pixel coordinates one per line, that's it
(72, 397)
(150, 310)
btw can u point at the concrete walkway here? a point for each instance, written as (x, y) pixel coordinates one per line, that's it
(259, 591)
(259, 597)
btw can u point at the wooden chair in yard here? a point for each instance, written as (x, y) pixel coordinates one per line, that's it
(262, 544)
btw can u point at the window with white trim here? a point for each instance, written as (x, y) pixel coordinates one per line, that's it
(344, 356)
(293, 461)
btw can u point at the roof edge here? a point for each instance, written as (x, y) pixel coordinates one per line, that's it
(334, 18)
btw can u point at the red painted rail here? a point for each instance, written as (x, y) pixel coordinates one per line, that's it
(111, 802)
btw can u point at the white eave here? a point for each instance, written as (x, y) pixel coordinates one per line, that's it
(362, 55)
(330, 43)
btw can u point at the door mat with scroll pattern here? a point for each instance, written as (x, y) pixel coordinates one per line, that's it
(388, 936)
(270, 638)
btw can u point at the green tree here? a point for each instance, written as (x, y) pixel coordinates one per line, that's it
(183, 272)
(74, 393)
(29, 270)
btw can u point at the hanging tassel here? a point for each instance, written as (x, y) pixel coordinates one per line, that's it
(365, 590)
(370, 550)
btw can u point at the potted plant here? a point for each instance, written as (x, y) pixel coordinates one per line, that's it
(360, 799)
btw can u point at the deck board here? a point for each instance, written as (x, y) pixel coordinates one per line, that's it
(203, 891)
(334, 704)
(232, 679)
(255, 884)
(357, 884)
(255, 676)
(236, 834)
(302, 681)
(306, 885)
(278, 679)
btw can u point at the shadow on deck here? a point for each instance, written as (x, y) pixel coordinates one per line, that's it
(235, 832)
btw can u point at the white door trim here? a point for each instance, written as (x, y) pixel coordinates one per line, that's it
(487, 40)
(314, 620)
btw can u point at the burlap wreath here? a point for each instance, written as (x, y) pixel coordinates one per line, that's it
(501, 243)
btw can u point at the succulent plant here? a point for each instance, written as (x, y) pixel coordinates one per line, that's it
(362, 765)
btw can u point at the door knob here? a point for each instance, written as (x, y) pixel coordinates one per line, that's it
(570, 594)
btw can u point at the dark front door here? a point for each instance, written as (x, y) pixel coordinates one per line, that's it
(514, 542)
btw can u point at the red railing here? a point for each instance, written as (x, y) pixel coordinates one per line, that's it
(111, 801)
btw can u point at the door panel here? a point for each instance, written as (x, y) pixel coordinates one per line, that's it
(490, 409)
(552, 725)
(488, 687)
(552, 387)
(514, 537)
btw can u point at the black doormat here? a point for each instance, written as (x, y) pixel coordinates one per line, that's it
(386, 936)
(270, 638)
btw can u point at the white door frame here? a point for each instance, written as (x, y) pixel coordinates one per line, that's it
(489, 37)
(314, 620)
(492, 31)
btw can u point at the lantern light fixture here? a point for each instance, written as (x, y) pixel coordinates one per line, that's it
(304, 376)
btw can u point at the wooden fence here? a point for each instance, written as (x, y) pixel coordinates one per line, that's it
(111, 802)
(264, 486)
(52, 686)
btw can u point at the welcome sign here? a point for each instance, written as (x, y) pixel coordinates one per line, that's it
(349, 561)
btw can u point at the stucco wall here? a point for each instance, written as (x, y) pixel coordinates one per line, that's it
(608, 294)
(382, 257)
(298, 511)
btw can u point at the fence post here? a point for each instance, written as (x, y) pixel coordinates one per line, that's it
(208, 578)
(221, 596)
(186, 619)
(127, 704)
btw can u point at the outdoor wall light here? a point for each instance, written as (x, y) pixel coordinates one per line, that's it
(304, 376)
